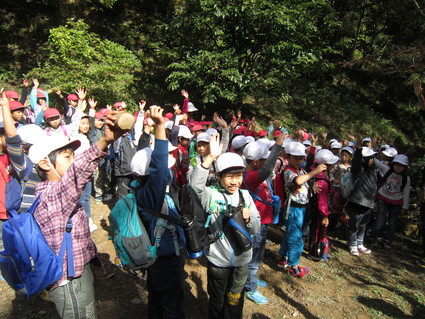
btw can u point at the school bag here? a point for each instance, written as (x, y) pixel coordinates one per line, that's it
(28, 264)
(130, 237)
(347, 185)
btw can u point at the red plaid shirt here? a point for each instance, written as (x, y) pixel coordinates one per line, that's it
(58, 201)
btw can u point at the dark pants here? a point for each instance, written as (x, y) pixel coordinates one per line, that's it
(165, 287)
(359, 218)
(384, 209)
(225, 289)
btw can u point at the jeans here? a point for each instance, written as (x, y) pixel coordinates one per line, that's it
(292, 244)
(165, 287)
(258, 248)
(225, 288)
(85, 199)
(359, 218)
(381, 216)
(76, 298)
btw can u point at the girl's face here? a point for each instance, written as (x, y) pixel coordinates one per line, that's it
(98, 123)
(184, 141)
(84, 126)
(18, 114)
(399, 168)
(345, 157)
(54, 122)
(296, 161)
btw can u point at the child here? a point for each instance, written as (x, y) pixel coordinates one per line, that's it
(17, 110)
(227, 266)
(64, 178)
(393, 196)
(297, 190)
(362, 198)
(260, 165)
(319, 207)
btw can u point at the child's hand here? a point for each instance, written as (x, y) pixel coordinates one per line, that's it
(81, 93)
(25, 83)
(325, 221)
(215, 147)
(36, 83)
(246, 214)
(142, 105)
(316, 188)
(320, 168)
(156, 114)
(280, 139)
(112, 131)
(185, 94)
(219, 120)
(92, 103)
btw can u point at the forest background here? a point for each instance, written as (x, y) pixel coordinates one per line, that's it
(338, 66)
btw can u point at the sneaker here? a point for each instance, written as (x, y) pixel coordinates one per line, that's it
(283, 263)
(299, 272)
(261, 283)
(364, 250)
(255, 296)
(354, 251)
(92, 225)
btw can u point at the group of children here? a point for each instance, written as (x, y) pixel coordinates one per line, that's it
(237, 177)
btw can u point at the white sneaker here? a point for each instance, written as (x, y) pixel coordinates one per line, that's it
(354, 251)
(364, 250)
(92, 225)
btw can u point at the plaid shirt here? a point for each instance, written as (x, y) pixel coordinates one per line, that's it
(58, 201)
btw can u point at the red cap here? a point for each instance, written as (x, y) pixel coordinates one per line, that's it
(237, 132)
(255, 133)
(243, 129)
(169, 115)
(72, 97)
(241, 121)
(249, 133)
(117, 105)
(197, 127)
(104, 111)
(14, 105)
(277, 133)
(51, 112)
(262, 133)
(12, 94)
(99, 115)
(40, 94)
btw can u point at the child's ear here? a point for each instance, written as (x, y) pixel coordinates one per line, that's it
(44, 164)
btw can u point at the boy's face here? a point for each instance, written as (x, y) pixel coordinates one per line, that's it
(98, 123)
(64, 161)
(18, 114)
(399, 168)
(231, 181)
(345, 157)
(184, 141)
(203, 148)
(84, 126)
(54, 122)
(296, 161)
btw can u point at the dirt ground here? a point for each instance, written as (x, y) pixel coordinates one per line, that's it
(386, 284)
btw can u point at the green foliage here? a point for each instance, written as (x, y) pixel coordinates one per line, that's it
(77, 57)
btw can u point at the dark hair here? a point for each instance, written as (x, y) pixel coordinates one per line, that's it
(52, 158)
(231, 170)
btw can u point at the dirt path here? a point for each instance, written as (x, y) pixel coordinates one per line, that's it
(387, 284)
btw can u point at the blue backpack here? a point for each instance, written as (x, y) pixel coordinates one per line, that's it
(28, 264)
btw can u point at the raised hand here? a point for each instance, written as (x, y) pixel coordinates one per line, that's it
(36, 83)
(81, 93)
(156, 114)
(185, 94)
(92, 103)
(142, 105)
(25, 83)
(215, 147)
(219, 120)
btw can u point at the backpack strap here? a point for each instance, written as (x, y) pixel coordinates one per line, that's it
(255, 195)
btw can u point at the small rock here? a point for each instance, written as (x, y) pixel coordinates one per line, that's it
(295, 314)
(42, 313)
(136, 301)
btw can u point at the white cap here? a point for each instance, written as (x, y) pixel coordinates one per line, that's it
(366, 139)
(229, 160)
(325, 156)
(332, 140)
(367, 151)
(140, 162)
(390, 152)
(265, 142)
(211, 131)
(348, 149)
(318, 148)
(239, 141)
(203, 137)
(31, 134)
(351, 144)
(385, 146)
(336, 145)
(254, 151)
(185, 132)
(169, 125)
(43, 147)
(286, 141)
(401, 159)
(250, 139)
(307, 142)
(191, 107)
(295, 149)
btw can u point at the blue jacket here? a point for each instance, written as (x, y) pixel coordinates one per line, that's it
(152, 195)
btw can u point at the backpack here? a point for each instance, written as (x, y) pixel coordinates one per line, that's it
(347, 185)
(28, 264)
(387, 174)
(131, 240)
